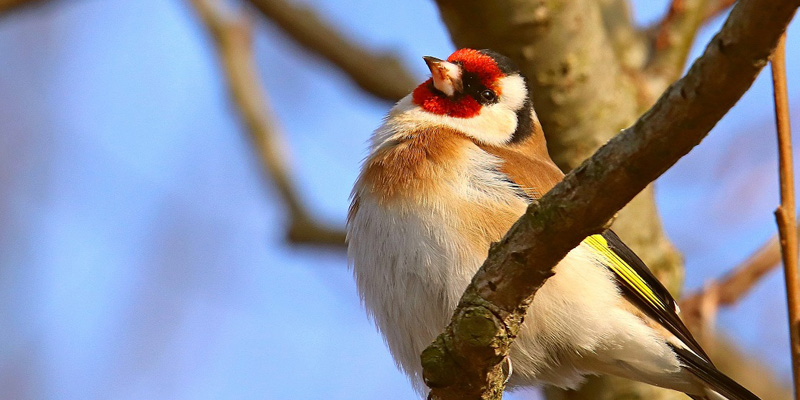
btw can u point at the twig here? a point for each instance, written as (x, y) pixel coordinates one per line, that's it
(464, 361)
(785, 214)
(383, 75)
(233, 39)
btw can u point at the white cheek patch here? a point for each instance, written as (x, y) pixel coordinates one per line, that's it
(494, 125)
(514, 92)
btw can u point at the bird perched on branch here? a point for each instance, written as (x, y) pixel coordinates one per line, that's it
(453, 166)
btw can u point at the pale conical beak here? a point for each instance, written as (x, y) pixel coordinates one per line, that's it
(446, 75)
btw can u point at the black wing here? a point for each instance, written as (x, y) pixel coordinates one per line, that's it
(642, 288)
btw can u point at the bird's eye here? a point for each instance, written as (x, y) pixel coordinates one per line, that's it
(488, 95)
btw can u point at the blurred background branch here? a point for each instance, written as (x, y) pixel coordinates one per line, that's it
(233, 39)
(629, 42)
(382, 75)
(10, 5)
(698, 309)
(671, 40)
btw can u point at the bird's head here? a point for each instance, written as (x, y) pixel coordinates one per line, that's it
(479, 92)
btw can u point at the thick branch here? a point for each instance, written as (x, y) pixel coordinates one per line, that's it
(492, 308)
(232, 36)
(559, 46)
(383, 75)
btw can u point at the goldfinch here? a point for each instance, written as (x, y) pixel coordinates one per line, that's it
(451, 168)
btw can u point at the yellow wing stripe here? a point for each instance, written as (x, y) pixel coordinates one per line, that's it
(600, 245)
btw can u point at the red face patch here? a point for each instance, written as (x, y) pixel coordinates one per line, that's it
(479, 64)
(460, 106)
(436, 102)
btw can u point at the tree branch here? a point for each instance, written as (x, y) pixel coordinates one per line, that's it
(464, 361)
(785, 215)
(558, 45)
(671, 41)
(698, 309)
(11, 5)
(716, 8)
(383, 75)
(233, 39)
(630, 44)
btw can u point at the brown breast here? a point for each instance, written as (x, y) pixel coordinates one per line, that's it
(404, 172)
(414, 165)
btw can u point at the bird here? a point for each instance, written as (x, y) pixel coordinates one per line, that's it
(453, 165)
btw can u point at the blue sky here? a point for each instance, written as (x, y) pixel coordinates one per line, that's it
(141, 249)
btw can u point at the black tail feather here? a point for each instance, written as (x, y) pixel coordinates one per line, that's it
(711, 376)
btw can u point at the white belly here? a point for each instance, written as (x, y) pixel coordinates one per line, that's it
(410, 273)
(414, 255)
